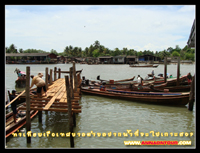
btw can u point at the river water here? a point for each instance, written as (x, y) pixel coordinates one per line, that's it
(105, 115)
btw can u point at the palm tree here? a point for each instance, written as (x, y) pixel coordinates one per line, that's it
(96, 44)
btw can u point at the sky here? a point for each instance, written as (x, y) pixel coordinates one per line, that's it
(138, 27)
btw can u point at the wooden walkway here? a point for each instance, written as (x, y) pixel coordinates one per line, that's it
(56, 99)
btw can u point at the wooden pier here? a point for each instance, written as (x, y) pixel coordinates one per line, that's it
(62, 95)
(56, 99)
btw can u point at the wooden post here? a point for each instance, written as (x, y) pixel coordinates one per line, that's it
(165, 69)
(28, 119)
(178, 71)
(50, 76)
(74, 119)
(55, 69)
(191, 97)
(40, 116)
(59, 72)
(74, 77)
(71, 82)
(46, 77)
(69, 110)
(78, 79)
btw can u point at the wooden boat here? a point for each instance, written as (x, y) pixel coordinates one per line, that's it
(170, 82)
(150, 65)
(160, 98)
(69, 71)
(130, 79)
(146, 88)
(12, 127)
(21, 81)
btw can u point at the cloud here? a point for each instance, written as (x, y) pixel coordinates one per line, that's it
(55, 27)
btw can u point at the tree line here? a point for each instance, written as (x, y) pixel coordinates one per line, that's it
(96, 50)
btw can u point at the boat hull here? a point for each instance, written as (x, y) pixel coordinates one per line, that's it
(13, 127)
(144, 66)
(165, 99)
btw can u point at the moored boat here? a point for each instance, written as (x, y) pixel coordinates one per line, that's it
(150, 65)
(116, 81)
(12, 127)
(160, 98)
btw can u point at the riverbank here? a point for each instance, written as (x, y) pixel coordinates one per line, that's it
(181, 62)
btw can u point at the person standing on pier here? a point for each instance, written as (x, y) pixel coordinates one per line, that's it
(14, 105)
(40, 83)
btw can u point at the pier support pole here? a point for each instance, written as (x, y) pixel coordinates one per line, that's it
(50, 76)
(165, 69)
(46, 77)
(192, 94)
(28, 119)
(71, 82)
(68, 90)
(40, 116)
(59, 72)
(74, 77)
(178, 71)
(55, 69)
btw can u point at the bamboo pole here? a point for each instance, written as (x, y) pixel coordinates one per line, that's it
(28, 119)
(165, 69)
(178, 71)
(14, 98)
(69, 110)
(55, 68)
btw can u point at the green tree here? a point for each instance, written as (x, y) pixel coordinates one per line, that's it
(11, 49)
(96, 53)
(175, 53)
(96, 44)
(139, 53)
(170, 50)
(90, 50)
(21, 50)
(53, 51)
(66, 51)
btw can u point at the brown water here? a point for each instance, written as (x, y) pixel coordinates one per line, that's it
(105, 115)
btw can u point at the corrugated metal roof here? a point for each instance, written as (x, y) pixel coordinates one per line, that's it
(27, 54)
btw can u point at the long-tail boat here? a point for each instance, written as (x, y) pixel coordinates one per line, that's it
(160, 98)
(124, 80)
(12, 127)
(150, 65)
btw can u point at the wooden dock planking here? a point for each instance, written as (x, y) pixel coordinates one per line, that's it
(55, 100)
(53, 109)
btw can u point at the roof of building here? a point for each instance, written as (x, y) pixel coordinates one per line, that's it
(27, 54)
(131, 56)
(191, 40)
(119, 56)
(105, 57)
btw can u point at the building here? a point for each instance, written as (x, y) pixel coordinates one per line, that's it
(148, 58)
(191, 40)
(60, 59)
(120, 59)
(106, 59)
(31, 58)
(131, 59)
